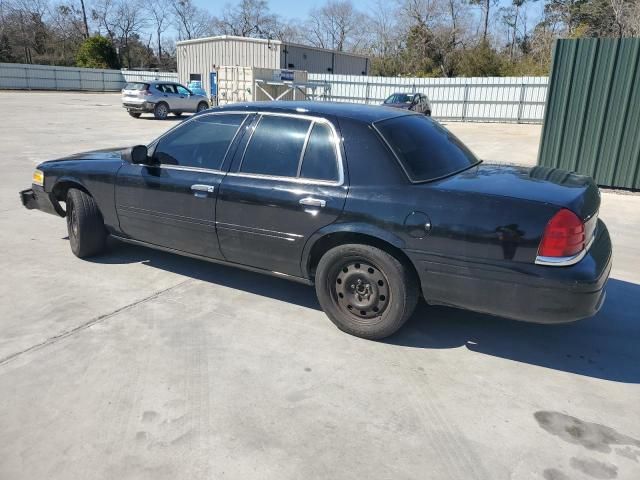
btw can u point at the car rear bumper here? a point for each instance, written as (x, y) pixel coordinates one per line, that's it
(36, 198)
(144, 107)
(531, 293)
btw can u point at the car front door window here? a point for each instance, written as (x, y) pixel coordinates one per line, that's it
(201, 142)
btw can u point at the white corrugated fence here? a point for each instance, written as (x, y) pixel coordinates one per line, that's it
(490, 99)
(45, 77)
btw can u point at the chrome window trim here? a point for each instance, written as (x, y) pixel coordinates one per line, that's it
(304, 148)
(189, 169)
(565, 261)
(198, 169)
(246, 145)
(297, 179)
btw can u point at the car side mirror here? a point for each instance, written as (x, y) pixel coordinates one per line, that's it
(137, 155)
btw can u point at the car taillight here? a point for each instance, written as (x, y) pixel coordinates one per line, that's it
(564, 236)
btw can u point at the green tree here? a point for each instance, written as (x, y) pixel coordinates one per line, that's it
(97, 52)
(480, 61)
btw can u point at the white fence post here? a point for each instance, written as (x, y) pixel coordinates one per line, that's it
(465, 101)
(521, 101)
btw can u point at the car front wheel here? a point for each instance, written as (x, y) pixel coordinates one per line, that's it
(365, 291)
(87, 233)
(202, 106)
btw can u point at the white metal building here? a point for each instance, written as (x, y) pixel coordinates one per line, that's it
(199, 58)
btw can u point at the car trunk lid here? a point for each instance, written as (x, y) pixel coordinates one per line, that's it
(561, 188)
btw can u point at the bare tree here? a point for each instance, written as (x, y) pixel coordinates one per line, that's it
(336, 25)
(122, 20)
(103, 13)
(25, 23)
(485, 7)
(248, 18)
(160, 18)
(130, 20)
(191, 21)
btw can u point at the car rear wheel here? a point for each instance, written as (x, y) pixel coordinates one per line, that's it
(202, 106)
(87, 233)
(365, 291)
(161, 111)
(135, 114)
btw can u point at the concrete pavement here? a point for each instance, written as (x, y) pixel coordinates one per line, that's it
(145, 365)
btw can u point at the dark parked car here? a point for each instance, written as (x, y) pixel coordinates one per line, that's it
(418, 102)
(375, 206)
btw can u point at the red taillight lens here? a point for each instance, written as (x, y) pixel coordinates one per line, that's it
(563, 235)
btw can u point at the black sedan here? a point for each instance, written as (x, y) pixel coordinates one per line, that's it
(375, 206)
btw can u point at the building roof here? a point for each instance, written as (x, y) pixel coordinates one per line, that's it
(358, 111)
(221, 38)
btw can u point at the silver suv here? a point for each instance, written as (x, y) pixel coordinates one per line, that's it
(161, 98)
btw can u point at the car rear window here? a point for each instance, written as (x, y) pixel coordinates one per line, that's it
(425, 148)
(136, 86)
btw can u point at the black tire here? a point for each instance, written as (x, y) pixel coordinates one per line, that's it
(177, 114)
(87, 233)
(428, 113)
(365, 291)
(135, 114)
(202, 106)
(161, 111)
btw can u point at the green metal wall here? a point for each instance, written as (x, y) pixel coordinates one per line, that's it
(592, 117)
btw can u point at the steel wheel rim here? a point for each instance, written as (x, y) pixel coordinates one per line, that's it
(360, 289)
(72, 219)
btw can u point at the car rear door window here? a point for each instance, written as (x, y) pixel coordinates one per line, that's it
(202, 142)
(425, 149)
(275, 146)
(320, 160)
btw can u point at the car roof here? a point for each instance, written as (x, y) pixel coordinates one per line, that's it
(157, 82)
(356, 111)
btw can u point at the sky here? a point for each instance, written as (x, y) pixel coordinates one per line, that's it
(285, 8)
(299, 9)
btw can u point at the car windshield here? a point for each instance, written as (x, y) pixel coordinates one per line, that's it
(135, 86)
(425, 148)
(399, 98)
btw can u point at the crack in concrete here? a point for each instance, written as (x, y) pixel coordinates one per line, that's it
(67, 333)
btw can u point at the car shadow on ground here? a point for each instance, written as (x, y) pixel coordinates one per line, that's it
(606, 346)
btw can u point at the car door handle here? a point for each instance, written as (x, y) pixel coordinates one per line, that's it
(312, 202)
(203, 188)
